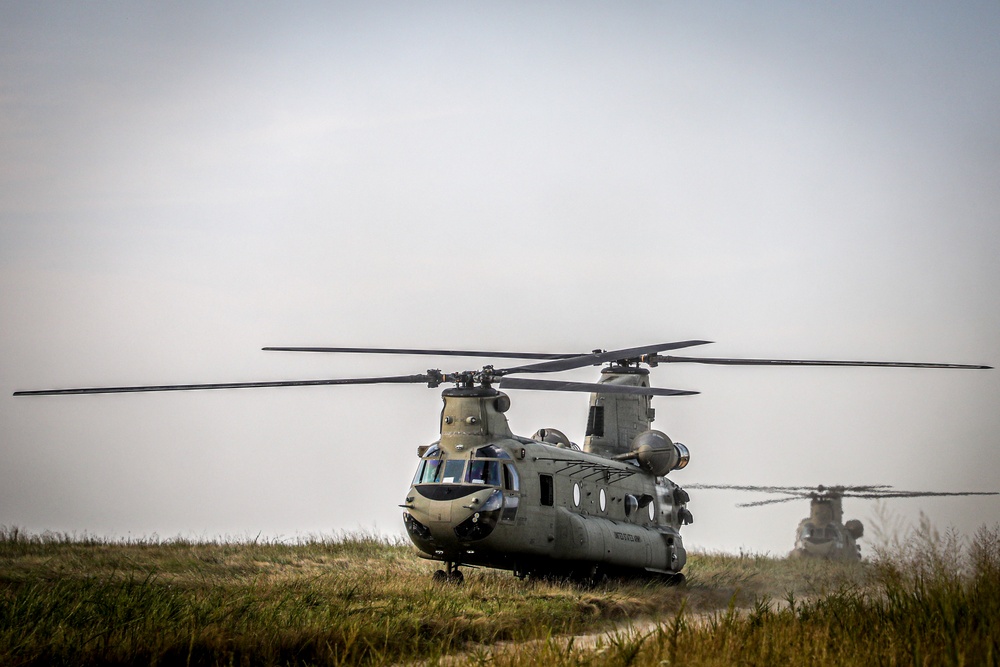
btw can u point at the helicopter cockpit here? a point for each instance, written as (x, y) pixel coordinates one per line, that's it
(818, 540)
(812, 533)
(445, 479)
(488, 466)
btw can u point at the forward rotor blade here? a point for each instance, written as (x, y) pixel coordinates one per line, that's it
(401, 379)
(598, 358)
(556, 385)
(722, 361)
(438, 353)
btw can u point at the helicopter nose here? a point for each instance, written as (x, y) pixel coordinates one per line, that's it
(450, 523)
(483, 520)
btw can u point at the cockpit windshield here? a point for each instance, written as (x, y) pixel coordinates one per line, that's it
(819, 533)
(453, 471)
(431, 471)
(487, 467)
(483, 472)
(428, 471)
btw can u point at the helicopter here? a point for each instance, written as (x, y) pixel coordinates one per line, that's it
(824, 534)
(542, 506)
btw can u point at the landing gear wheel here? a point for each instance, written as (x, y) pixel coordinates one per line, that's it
(450, 574)
(677, 579)
(455, 575)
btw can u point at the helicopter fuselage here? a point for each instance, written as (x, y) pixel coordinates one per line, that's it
(824, 535)
(484, 496)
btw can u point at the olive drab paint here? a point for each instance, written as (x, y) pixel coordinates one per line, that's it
(823, 533)
(615, 420)
(551, 508)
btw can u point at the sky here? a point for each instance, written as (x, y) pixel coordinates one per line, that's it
(182, 184)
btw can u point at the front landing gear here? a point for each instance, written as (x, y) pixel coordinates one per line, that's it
(452, 576)
(676, 579)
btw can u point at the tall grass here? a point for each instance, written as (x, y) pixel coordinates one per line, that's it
(362, 599)
(354, 599)
(930, 600)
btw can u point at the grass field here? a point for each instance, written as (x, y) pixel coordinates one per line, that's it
(358, 599)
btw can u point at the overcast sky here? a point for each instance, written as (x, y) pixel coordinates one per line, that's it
(182, 184)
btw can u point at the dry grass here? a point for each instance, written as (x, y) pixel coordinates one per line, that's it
(359, 599)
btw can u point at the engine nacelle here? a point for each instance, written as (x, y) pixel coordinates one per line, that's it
(855, 528)
(655, 452)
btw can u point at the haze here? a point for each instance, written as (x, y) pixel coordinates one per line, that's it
(181, 185)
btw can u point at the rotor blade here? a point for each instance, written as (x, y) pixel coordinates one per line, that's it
(722, 361)
(441, 353)
(401, 379)
(791, 489)
(873, 495)
(869, 487)
(799, 491)
(605, 388)
(772, 501)
(918, 494)
(598, 358)
(840, 488)
(762, 489)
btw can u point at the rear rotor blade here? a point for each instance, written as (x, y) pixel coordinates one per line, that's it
(761, 489)
(771, 501)
(867, 491)
(919, 494)
(874, 494)
(874, 488)
(598, 358)
(439, 353)
(723, 361)
(401, 379)
(605, 388)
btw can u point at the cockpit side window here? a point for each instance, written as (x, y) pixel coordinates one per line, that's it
(510, 479)
(483, 472)
(491, 452)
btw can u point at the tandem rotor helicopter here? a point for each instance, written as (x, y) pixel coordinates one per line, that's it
(824, 534)
(483, 496)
